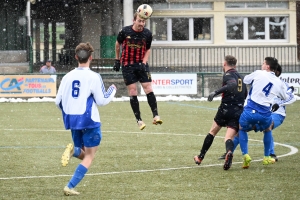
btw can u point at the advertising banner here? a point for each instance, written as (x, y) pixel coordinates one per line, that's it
(27, 86)
(293, 79)
(167, 84)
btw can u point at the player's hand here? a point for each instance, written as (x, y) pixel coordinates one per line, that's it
(292, 88)
(274, 107)
(113, 85)
(117, 65)
(211, 96)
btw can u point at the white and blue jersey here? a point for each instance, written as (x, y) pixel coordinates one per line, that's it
(265, 86)
(282, 103)
(79, 93)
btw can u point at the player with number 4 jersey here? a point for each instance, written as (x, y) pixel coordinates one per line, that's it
(265, 86)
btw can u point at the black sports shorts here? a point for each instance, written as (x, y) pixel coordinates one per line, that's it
(135, 72)
(228, 115)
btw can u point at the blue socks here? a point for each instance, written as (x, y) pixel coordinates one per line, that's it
(78, 176)
(272, 151)
(267, 142)
(236, 142)
(77, 151)
(243, 138)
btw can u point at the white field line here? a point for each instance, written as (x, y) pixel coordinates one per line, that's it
(293, 150)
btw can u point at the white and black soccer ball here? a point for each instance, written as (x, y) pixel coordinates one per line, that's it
(144, 11)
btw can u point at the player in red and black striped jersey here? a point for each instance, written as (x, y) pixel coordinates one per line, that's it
(135, 41)
(234, 93)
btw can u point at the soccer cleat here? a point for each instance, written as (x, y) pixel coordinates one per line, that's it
(68, 153)
(268, 160)
(274, 156)
(70, 192)
(222, 157)
(141, 125)
(157, 120)
(228, 160)
(246, 161)
(198, 160)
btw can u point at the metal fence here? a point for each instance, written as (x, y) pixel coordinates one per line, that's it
(189, 59)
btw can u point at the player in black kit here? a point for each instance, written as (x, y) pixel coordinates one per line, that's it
(136, 42)
(234, 93)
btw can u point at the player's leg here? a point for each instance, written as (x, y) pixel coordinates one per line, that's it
(135, 105)
(267, 139)
(232, 117)
(236, 142)
(146, 82)
(73, 150)
(245, 125)
(277, 121)
(91, 141)
(130, 80)
(229, 145)
(215, 128)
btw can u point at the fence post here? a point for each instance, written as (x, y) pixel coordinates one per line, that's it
(202, 84)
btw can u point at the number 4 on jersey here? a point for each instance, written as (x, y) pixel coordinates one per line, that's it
(267, 88)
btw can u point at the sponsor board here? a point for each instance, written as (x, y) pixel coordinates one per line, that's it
(27, 85)
(293, 79)
(166, 84)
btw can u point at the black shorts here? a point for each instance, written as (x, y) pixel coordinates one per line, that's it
(135, 72)
(228, 115)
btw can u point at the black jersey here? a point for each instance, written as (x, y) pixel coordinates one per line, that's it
(233, 89)
(134, 44)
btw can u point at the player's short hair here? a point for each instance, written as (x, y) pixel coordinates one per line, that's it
(230, 60)
(272, 62)
(83, 52)
(278, 70)
(135, 16)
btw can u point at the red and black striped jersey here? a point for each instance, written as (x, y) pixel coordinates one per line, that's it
(134, 44)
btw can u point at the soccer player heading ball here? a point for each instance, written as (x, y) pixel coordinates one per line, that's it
(135, 41)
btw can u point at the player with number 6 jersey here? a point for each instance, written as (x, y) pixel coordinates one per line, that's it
(79, 93)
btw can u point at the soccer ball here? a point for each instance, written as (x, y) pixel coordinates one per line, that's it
(144, 11)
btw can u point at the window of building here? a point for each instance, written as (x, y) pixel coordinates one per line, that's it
(262, 4)
(158, 26)
(181, 29)
(257, 28)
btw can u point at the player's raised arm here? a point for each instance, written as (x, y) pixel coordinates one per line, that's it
(101, 96)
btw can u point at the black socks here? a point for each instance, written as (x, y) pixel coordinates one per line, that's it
(229, 145)
(134, 102)
(206, 144)
(152, 103)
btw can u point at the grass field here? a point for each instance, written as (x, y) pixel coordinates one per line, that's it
(156, 163)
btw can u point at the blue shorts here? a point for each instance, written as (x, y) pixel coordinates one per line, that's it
(87, 137)
(250, 118)
(277, 119)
